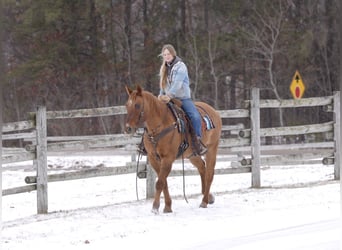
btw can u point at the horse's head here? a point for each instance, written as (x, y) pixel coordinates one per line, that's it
(135, 109)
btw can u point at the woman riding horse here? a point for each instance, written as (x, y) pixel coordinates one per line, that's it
(175, 83)
(162, 140)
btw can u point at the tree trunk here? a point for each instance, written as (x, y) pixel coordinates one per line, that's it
(128, 34)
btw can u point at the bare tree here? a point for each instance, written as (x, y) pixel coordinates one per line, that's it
(340, 39)
(192, 40)
(211, 55)
(263, 32)
(128, 36)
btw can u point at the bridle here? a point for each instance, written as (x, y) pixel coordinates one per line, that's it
(154, 135)
(141, 114)
(151, 135)
(154, 139)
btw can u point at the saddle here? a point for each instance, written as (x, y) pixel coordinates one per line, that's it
(175, 106)
(185, 126)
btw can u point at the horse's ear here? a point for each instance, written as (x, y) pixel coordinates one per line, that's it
(139, 89)
(128, 90)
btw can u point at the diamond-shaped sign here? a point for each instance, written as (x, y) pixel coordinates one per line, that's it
(297, 86)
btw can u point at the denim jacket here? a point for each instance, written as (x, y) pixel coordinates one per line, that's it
(178, 83)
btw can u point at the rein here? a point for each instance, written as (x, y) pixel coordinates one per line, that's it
(136, 177)
(184, 195)
(154, 140)
(141, 114)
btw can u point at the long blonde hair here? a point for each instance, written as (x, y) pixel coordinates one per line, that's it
(163, 68)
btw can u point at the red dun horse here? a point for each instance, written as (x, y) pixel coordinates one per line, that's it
(162, 140)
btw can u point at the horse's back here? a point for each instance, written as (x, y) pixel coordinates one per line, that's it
(206, 109)
(209, 110)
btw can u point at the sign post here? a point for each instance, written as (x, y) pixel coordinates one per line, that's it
(297, 86)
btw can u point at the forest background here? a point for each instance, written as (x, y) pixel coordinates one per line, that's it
(75, 54)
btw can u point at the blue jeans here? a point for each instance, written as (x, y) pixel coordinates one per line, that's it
(190, 109)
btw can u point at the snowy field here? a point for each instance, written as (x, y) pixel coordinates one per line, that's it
(298, 207)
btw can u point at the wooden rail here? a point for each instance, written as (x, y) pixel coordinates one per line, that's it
(243, 141)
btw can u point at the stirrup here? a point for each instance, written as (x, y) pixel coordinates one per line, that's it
(141, 149)
(202, 148)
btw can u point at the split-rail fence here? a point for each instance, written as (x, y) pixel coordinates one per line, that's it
(246, 143)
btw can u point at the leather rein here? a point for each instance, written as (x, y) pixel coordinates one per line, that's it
(154, 138)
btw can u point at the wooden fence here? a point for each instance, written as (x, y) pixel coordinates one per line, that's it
(246, 143)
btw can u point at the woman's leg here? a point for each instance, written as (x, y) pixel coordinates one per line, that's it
(190, 109)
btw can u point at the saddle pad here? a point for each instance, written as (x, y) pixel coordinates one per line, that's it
(208, 122)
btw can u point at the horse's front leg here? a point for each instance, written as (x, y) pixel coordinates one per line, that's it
(161, 185)
(156, 166)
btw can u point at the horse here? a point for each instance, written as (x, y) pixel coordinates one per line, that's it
(162, 140)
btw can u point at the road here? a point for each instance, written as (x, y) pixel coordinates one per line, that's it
(321, 235)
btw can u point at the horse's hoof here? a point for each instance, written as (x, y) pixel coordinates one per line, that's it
(167, 210)
(155, 210)
(211, 199)
(203, 205)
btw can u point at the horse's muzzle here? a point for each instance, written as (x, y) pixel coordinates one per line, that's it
(129, 129)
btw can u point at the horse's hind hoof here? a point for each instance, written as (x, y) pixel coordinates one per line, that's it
(211, 199)
(155, 210)
(167, 210)
(203, 205)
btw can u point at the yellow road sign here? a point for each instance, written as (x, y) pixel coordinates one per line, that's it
(297, 86)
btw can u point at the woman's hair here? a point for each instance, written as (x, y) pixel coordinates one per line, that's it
(163, 69)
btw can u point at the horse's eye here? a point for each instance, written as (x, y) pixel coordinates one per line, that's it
(137, 106)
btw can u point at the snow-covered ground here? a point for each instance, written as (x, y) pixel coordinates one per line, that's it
(298, 207)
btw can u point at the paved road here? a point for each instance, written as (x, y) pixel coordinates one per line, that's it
(322, 235)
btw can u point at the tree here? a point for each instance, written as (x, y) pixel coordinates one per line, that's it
(263, 31)
(340, 45)
(70, 54)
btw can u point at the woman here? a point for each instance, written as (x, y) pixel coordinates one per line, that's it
(174, 83)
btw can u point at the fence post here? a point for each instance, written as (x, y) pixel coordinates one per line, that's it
(41, 161)
(150, 181)
(337, 135)
(255, 137)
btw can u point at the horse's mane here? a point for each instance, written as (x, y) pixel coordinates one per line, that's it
(157, 107)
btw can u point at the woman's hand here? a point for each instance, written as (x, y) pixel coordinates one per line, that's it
(164, 98)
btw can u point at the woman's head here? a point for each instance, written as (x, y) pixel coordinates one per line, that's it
(168, 53)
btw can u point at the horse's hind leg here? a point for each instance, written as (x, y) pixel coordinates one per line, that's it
(206, 170)
(199, 163)
(210, 159)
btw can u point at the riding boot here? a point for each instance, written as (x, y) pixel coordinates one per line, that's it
(201, 148)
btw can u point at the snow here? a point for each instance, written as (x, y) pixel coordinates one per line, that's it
(298, 207)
